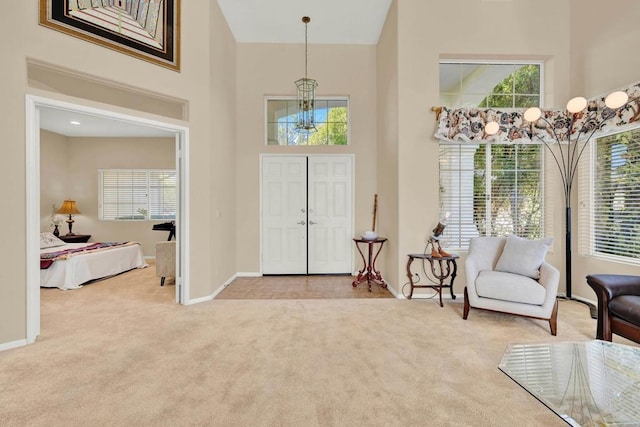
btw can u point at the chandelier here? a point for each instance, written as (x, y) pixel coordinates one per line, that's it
(305, 98)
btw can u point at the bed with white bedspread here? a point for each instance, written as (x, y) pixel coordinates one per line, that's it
(69, 265)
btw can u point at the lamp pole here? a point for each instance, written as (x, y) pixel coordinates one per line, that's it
(567, 158)
(569, 153)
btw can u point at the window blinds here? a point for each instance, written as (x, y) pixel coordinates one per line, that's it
(612, 202)
(137, 194)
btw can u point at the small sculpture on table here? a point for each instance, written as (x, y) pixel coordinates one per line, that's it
(434, 239)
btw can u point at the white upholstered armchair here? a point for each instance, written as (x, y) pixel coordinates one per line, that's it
(509, 274)
(165, 260)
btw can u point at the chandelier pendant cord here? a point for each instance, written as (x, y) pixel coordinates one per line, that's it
(305, 51)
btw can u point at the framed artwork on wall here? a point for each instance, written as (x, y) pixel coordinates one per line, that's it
(146, 29)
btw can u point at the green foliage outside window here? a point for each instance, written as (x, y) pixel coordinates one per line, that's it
(334, 131)
(515, 200)
(617, 195)
(331, 120)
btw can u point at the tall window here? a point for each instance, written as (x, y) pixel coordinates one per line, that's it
(490, 189)
(331, 119)
(137, 194)
(615, 230)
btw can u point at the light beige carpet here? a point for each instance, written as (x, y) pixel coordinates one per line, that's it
(121, 353)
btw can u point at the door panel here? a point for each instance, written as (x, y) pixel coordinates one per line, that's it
(284, 218)
(330, 216)
(299, 242)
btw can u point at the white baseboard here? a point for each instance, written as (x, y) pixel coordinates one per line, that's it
(254, 274)
(394, 292)
(445, 297)
(13, 344)
(220, 289)
(199, 300)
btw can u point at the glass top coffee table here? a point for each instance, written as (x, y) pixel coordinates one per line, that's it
(591, 383)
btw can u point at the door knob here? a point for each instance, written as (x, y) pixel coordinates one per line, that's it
(301, 223)
(311, 222)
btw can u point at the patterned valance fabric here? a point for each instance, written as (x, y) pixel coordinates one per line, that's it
(467, 125)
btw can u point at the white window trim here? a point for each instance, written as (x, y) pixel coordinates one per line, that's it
(147, 215)
(547, 205)
(293, 97)
(586, 200)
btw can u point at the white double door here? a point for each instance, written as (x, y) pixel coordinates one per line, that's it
(307, 216)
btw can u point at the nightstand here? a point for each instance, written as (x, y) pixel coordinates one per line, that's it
(75, 238)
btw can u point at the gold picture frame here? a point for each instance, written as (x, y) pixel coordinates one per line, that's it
(145, 29)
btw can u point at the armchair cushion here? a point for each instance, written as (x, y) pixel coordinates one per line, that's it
(510, 287)
(166, 259)
(508, 292)
(626, 307)
(523, 256)
(618, 305)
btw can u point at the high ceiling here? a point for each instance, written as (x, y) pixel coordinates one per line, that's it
(280, 21)
(253, 21)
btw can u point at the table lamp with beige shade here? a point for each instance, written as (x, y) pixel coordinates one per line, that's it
(69, 208)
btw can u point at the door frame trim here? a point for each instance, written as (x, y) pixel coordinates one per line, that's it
(33, 103)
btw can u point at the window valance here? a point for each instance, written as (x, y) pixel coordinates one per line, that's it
(467, 125)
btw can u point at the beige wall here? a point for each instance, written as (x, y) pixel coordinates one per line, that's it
(53, 176)
(387, 149)
(341, 70)
(603, 39)
(221, 163)
(208, 52)
(603, 53)
(428, 31)
(83, 158)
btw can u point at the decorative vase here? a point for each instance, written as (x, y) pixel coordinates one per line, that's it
(56, 232)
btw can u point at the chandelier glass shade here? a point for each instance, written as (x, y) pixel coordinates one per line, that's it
(306, 93)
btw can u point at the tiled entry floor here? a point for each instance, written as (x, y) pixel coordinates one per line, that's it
(300, 287)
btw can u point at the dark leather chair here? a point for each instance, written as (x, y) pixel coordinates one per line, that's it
(618, 305)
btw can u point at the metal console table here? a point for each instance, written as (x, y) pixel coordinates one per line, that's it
(441, 268)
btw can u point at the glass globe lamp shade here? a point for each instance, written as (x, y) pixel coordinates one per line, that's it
(532, 114)
(616, 99)
(576, 104)
(491, 128)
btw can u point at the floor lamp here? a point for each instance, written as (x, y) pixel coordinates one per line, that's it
(571, 146)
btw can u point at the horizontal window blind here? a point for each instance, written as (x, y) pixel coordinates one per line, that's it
(162, 194)
(457, 196)
(491, 190)
(616, 196)
(137, 194)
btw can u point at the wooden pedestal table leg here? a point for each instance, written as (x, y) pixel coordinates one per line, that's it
(410, 276)
(376, 276)
(443, 274)
(361, 273)
(453, 275)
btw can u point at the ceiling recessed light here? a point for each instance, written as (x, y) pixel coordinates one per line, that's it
(74, 122)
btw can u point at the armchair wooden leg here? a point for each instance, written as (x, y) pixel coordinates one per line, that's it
(553, 321)
(465, 312)
(162, 281)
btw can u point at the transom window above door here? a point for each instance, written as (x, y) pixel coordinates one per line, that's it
(331, 120)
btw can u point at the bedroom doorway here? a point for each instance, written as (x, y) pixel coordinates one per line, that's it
(35, 105)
